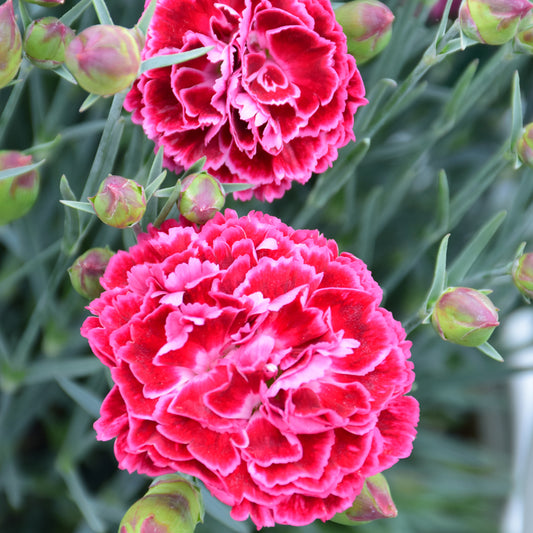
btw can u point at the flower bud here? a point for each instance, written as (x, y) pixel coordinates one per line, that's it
(373, 502)
(45, 41)
(104, 59)
(522, 274)
(201, 197)
(492, 21)
(10, 44)
(119, 202)
(464, 316)
(17, 194)
(524, 145)
(171, 505)
(46, 3)
(86, 271)
(368, 27)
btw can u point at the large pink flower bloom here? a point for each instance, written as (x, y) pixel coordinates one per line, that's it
(270, 103)
(256, 358)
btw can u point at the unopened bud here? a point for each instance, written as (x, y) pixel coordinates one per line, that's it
(86, 271)
(171, 505)
(46, 3)
(492, 21)
(18, 193)
(524, 145)
(373, 502)
(368, 27)
(464, 316)
(10, 44)
(201, 197)
(119, 202)
(45, 41)
(522, 274)
(104, 59)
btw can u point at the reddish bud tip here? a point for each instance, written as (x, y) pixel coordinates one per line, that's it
(464, 316)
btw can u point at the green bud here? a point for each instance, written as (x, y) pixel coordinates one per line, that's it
(171, 505)
(86, 271)
(524, 145)
(201, 197)
(10, 44)
(373, 502)
(17, 194)
(464, 316)
(492, 21)
(119, 202)
(104, 59)
(522, 274)
(368, 27)
(45, 41)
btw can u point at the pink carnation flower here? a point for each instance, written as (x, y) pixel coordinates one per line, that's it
(252, 356)
(270, 103)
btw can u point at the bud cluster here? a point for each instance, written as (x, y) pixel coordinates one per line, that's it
(104, 59)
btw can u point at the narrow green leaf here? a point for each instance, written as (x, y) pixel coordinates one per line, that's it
(331, 181)
(65, 74)
(516, 119)
(18, 171)
(235, 187)
(460, 89)
(157, 166)
(79, 494)
(102, 12)
(221, 513)
(477, 185)
(72, 218)
(379, 92)
(80, 206)
(169, 204)
(367, 227)
(89, 102)
(471, 251)
(489, 350)
(439, 282)
(195, 167)
(443, 202)
(75, 12)
(16, 93)
(146, 17)
(151, 189)
(49, 369)
(84, 397)
(172, 59)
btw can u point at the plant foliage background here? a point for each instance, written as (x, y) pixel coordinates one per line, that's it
(433, 157)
